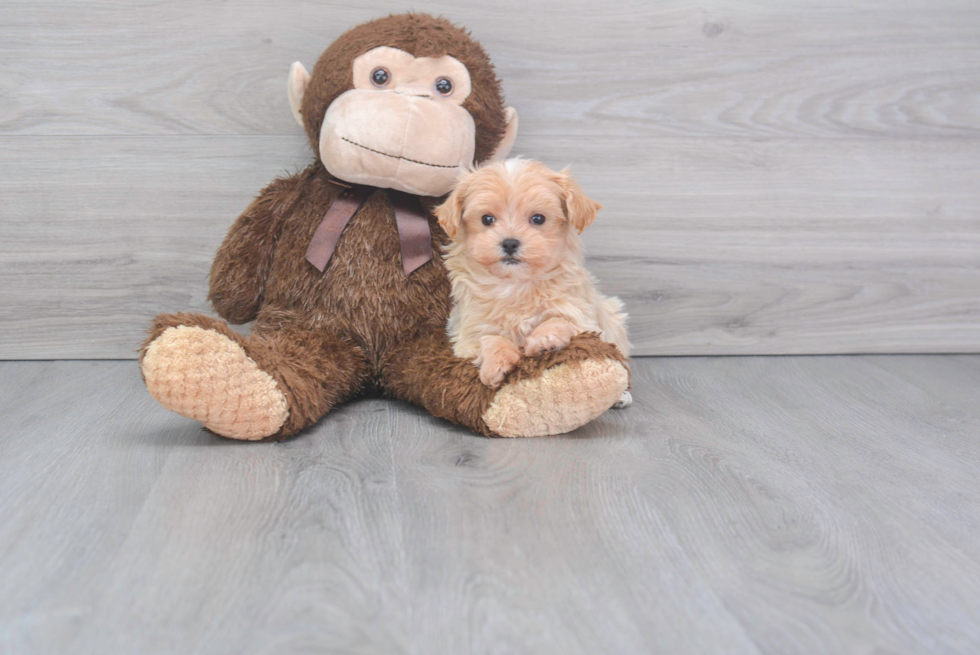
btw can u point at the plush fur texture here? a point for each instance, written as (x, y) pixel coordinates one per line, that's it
(380, 134)
(536, 297)
(420, 35)
(229, 394)
(526, 407)
(361, 324)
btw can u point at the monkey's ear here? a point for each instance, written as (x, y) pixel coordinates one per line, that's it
(510, 134)
(450, 213)
(298, 79)
(579, 208)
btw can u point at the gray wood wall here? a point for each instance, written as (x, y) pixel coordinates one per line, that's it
(778, 176)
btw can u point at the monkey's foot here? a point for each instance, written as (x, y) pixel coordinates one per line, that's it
(560, 400)
(208, 377)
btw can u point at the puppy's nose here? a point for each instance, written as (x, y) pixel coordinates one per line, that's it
(510, 246)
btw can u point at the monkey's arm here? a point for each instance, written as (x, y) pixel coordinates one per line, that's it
(241, 266)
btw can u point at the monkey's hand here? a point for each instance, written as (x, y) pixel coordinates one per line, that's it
(241, 266)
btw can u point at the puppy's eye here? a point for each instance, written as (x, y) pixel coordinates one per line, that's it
(444, 86)
(537, 219)
(380, 76)
(488, 220)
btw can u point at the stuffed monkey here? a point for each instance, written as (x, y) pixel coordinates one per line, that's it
(340, 265)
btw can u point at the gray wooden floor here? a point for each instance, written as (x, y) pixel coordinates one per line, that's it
(742, 505)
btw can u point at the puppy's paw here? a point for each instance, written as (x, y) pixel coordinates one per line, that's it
(624, 401)
(496, 361)
(552, 337)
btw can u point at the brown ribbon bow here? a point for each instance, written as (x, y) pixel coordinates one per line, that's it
(413, 227)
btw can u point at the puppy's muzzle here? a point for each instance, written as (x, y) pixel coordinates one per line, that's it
(510, 246)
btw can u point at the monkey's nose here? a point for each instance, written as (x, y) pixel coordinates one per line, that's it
(510, 246)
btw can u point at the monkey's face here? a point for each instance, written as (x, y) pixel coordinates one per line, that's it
(404, 102)
(402, 126)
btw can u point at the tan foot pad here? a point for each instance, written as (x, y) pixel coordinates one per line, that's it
(206, 376)
(564, 398)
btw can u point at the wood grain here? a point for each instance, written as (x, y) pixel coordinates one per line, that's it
(733, 68)
(713, 244)
(779, 176)
(742, 505)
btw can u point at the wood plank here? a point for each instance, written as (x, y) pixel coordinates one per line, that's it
(796, 178)
(744, 505)
(717, 246)
(736, 68)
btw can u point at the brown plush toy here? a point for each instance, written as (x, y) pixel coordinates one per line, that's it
(340, 265)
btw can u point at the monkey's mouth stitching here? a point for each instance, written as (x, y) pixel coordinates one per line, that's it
(414, 161)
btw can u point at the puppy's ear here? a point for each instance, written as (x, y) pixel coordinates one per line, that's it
(579, 208)
(450, 213)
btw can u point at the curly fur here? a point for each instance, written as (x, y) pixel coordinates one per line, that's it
(543, 294)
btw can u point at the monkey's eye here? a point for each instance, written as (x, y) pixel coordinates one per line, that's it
(444, 86)
(380, 77)
(537, 219)
(488, 220)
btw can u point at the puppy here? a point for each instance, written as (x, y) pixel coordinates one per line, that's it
(517, 268)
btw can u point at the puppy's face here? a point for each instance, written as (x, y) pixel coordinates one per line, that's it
(516, 219)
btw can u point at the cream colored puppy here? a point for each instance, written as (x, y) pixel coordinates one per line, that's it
(517, 267)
